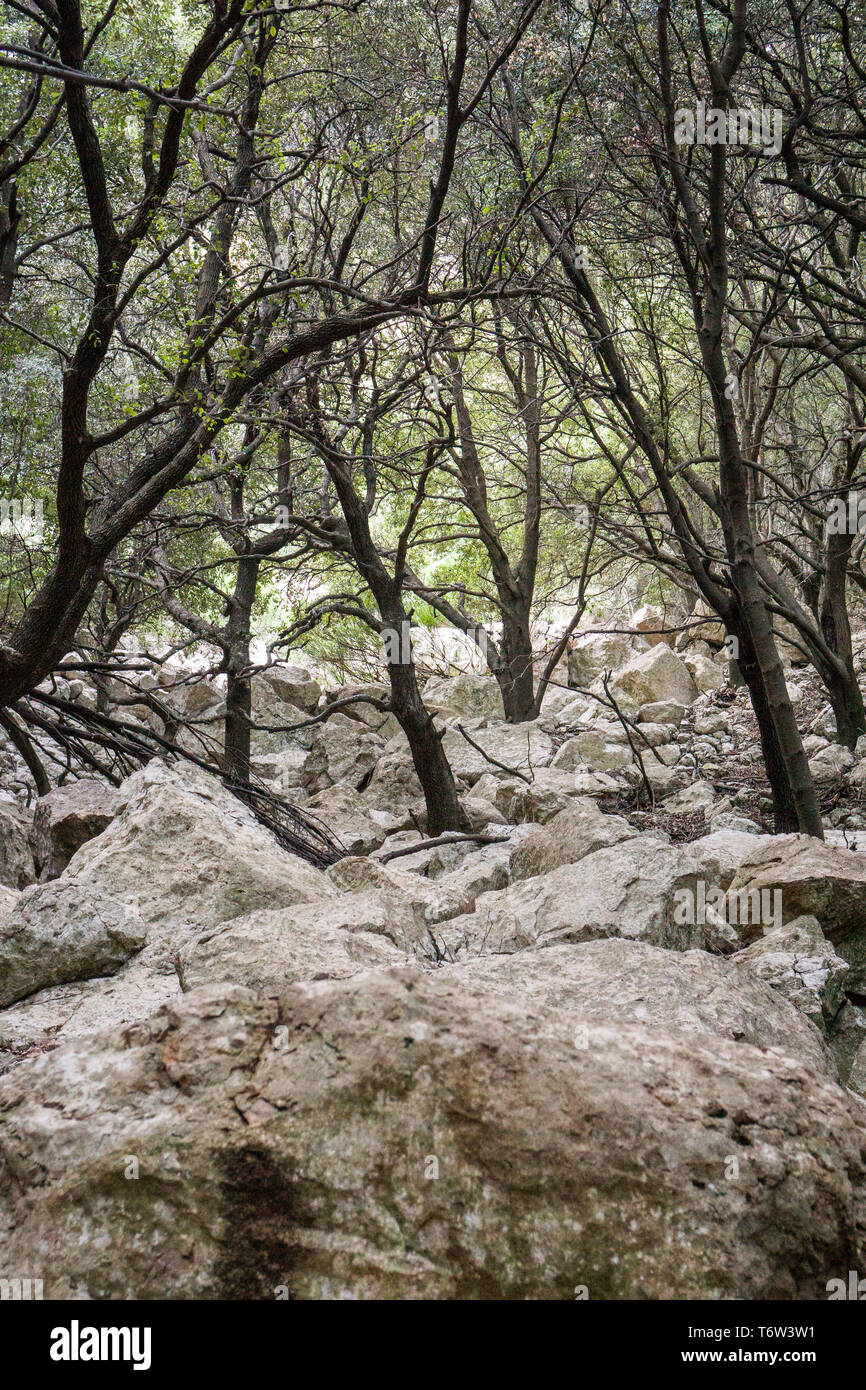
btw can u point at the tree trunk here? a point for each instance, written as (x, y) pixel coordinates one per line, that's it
(237, 734)
(444, 811)
(515, 673)
(841, 681)
(785, 820)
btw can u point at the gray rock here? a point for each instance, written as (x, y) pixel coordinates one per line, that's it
(662, 712)
(595, 652)
(468, 695)
(846, 1036)
(592, 750)
(56, 933)
(830, 765)
(814, 879)
(729, 820)
(66, 819)
(521, 1164)
(629, 982)
(17, 868)
(294, 685)
(799, 962)
(521, 746)
(656, 675)
(635, 889)
(332, 940)
(577, 831)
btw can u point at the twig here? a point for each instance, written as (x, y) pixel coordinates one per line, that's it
(635, 754)
(503, 767)
(451, 837)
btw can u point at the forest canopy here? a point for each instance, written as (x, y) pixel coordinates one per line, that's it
(324, 323)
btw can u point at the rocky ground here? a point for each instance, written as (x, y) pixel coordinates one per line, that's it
(609, 1049)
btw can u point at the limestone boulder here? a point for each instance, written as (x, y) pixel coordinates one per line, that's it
(798, 961)
(662, 712)
(815, 879)
(66, 819)
(629, 982)
(185, 854)
(523, 747)
(656, 675)
(294, 686)
(181, 856)
(17, 868)
(468, 695)
(707, 674)
(650, 620)
(521, 1164)
(345, 814)
(595, 652)
(56, 933)
(640, 888)
(831, 764)
(331, 940)
(393, 785)
(575, 832)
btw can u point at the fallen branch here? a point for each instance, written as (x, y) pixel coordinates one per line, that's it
(451, 837)
(635, 754)
(503, 767)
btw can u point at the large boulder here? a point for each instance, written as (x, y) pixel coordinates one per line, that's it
(56, 933)
(619, 981)
(656, 675)
(707, 674)
(407, 1136)
(721, 853)
(185, 854)
(594, 749)
(640, 888)
(427, 901)
(331, 940)
(799, 962)
(351, 750)
(393, 786)
(364, 710)
(523, 747)
(468, 695)
(66, 819)
(577, 831)
(343, 811)
(846, 1036)
(593, 653)
(702, 626)
(550, 791)
(181, 857)
(650, 620)
(807, 877)
(293, 685)
(17, 868)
